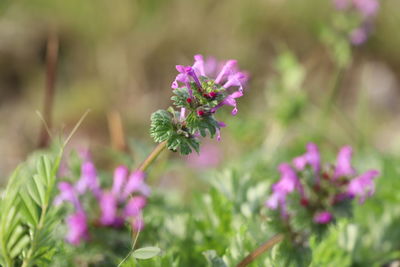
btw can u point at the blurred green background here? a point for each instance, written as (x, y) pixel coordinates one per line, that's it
(120, 56)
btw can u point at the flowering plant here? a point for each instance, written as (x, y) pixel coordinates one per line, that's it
(365, 12)
(310, 194)
(199, 91)
(123, 203)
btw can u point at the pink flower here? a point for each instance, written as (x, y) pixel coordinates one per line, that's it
(120, 178)
(311, 157)
(343, 163)
(67, 193)
(358, 36)
(230, 100)
(135, 206)
(116, 205)
(123, 187)
(108, 205)
(228, 77)
(77, 228)
(209, 156)
(136, 183)
(323, 217)
(287, 184)
(363, 186)
(367, 7)
(88, 180)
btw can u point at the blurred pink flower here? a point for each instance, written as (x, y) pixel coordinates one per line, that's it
(287, 184)
(88, 180)
(358, 36)
(323, 217)
(343, 163)
(367, 7)
(311, 157)
(322, 189)
(116, 205)
(208, 157)
(77, 228)
(363, 185)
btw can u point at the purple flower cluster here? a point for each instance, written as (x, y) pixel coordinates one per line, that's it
(367, 9)
(206, 81)
(328, 187)
(124, 202)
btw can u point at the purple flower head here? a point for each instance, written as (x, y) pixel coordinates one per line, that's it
(120, 178)
(108, 206)
(363, 185)
(343, 163)
(221, 124)
(135, 206)
(323, 217)
(77, 228)
(230, 100)
(123, 187)
(136, 184)
(332, 188)
(286, 185)
(228, 69)
(88, 180)
(367, 8)
(358, 36)
(228, 76)
(116, 206)
(289, 181)
(311, 157)
(67, 193)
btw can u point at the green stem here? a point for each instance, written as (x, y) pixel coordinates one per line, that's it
(143, 167)
(260, 250)
(7, 258)
(332, 95)
(152, 156)
(132, 249)
(51, 66)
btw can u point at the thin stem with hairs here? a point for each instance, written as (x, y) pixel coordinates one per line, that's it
(152, 156)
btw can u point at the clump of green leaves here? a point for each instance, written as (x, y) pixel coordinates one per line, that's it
(27, 217)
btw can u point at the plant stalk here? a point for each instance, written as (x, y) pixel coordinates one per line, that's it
(153, 155)
(260, 250)
(51, 65)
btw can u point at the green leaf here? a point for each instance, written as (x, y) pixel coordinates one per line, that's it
(27, 218)
(146, 253)
(29, 209)
(16, 235)
(33, 191)
(202, 125)
(213, 259)
(161, 127)
(39, 183)
(22, 243)
(44, 169)
(180, 97)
